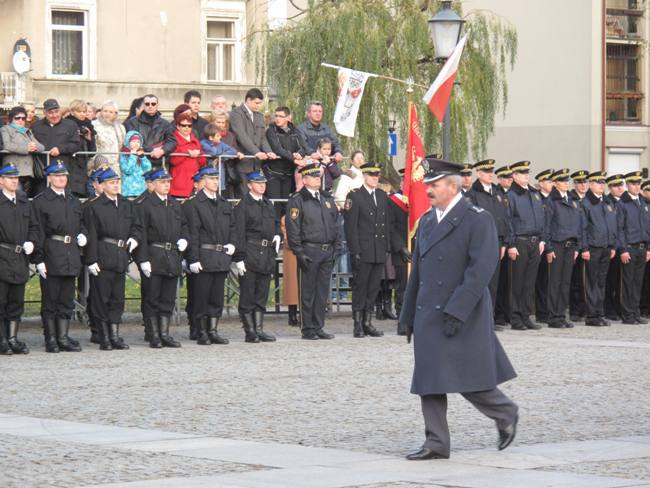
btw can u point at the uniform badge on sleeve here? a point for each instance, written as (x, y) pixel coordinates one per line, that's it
(575, 205)
(348, 204)
(294, 213)
(328, 204)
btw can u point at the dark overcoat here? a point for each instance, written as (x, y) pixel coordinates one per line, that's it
(453, 262)
(366, 225)
(14, 225)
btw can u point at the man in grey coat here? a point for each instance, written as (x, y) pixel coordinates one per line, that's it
(448, 309)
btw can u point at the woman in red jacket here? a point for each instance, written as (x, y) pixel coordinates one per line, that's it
(182, 168)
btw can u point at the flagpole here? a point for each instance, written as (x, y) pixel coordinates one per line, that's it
(408, 82)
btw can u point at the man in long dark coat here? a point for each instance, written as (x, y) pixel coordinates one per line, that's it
(448, 308)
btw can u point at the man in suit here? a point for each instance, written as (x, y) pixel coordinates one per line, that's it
(448, 309)
(247, 123)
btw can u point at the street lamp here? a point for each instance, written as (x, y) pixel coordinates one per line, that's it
(445, 29)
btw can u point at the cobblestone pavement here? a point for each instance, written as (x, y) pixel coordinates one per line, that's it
(578, 384)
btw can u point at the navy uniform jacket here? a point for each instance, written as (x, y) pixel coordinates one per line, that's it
(564, 221)
(526, 211)
(366, 225)
(104, 220)
(601, 225)
(453, 262)
(398, 223)
(54, 215)
(310, 220)
(14, 225)
(632, 222)
(497, 205)
(256, 223)
(209, 222)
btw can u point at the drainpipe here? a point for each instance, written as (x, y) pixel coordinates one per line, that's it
(603, 147)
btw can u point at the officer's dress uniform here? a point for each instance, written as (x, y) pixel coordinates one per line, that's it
(257, 227)
(577, 297)
(644, 306)
(312, 234)
(367, 234)
(110, 224)
(599, 240)
(55, 224)
(613, 284)
(541, 282)
(211, 226)
(147, 314)
(398, 225)
(503, 306)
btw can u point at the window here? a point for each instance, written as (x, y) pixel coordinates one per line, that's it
(623, 84)
(222, 50)
(69, 42)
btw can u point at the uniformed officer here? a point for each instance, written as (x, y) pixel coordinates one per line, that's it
(212, 242)
(259, 235)
(485, 194)
(466, 179)
(147, 314)
(632, 245)
(526, 246)
(368, 237)
(312, 234)
(398, 224)
(564, 231)
(110, 223)
(645, 290)
(615, 184)
(577, 305)
(502, 309)
(160, 230)
(598, 247)
(57, 231)
(14, 251)
(545, 186)
(198, 182)
(580, 180)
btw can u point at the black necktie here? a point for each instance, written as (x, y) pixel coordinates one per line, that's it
(13, 200)
(317, 196)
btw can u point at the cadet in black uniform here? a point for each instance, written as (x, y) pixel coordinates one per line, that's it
(577, 305)
(398, 223)
(57, 231)
(613, 285)
(312, 235)
(486, 195)
(110, 222)
(366, 231)
(502, 309)
(545, 186)
(632, 245)
(14, 265)
(258, 232)
(526, 246)
(598, 247)
(212, 242)
(189, 277)
(466, 179)
(159, 230)
(147, 315)
(644, 306)
(564, 231)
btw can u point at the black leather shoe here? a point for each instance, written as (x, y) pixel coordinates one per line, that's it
(519, 327)
(603, 322)
(541, 319)
(556, 325)
(613, 317)
(312, 336)
(532, 325)
(568, 325)
(425, 453)
(321, 334)
(629, 321)
(576, 318)
(594, 322)
(507, 435)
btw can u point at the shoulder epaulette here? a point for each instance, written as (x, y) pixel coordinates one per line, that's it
(477, 209)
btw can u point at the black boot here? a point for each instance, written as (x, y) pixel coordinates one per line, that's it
(95, 331)
(293, 316)
(258, 323)
(248, 324)
(165, 338)
(201, 331)
(5, 349)
(195, 329)
(62, 339)
(379, 309)
(214, 336)
(116, 341)
(49, 331)
(153, 334)
(388, 305)
(16, 346)
(147, 329)
(104, 337)
(368, 328)
(357, 317)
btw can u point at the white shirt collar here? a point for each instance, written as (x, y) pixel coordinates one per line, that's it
(563, 193)
(443, 213)
(61, 193)
(162, 197)
(368, 189)
(250, 112)
(633, 197)
(487, 188)
(8, 195)
(256, 198)
(313, 192)
(211, 195)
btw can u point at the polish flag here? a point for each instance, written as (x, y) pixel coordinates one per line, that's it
(437, 97)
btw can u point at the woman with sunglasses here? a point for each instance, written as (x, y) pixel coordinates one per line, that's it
(21, 144)
(182, 168)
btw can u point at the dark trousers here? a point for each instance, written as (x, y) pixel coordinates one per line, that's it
(541, 291)
(278, 186)
(57, 297)
(401, 278)
(577, 299)
(207, 294)
(253, 291)
(493, 286)
(613, 288)
(596, 278)
(632, 281)
(145, 307)
(107, 290)
(366, 283)
(559, 281)
(189, 303)
(645, 292)
(12, 301)
(161, 295)
(524, 273)
(493, 404)
(502, 310)
(314, 286)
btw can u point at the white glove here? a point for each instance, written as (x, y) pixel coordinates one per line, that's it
(146, 268)
(81, 240)
(131, 244)
(196, 267)
(184, 266)
(230, 249)
(240, 268)
(276, 241)
(42, 270)
(94, 269)
(28, 247)
(181, 244)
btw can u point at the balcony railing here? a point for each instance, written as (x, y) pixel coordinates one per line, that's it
(625, 24)
(12, 89)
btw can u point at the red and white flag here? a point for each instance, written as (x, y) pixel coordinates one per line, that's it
(437, 96)
(415, 191)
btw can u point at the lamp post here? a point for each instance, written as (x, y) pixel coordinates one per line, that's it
(391, 130)
(445, 29)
